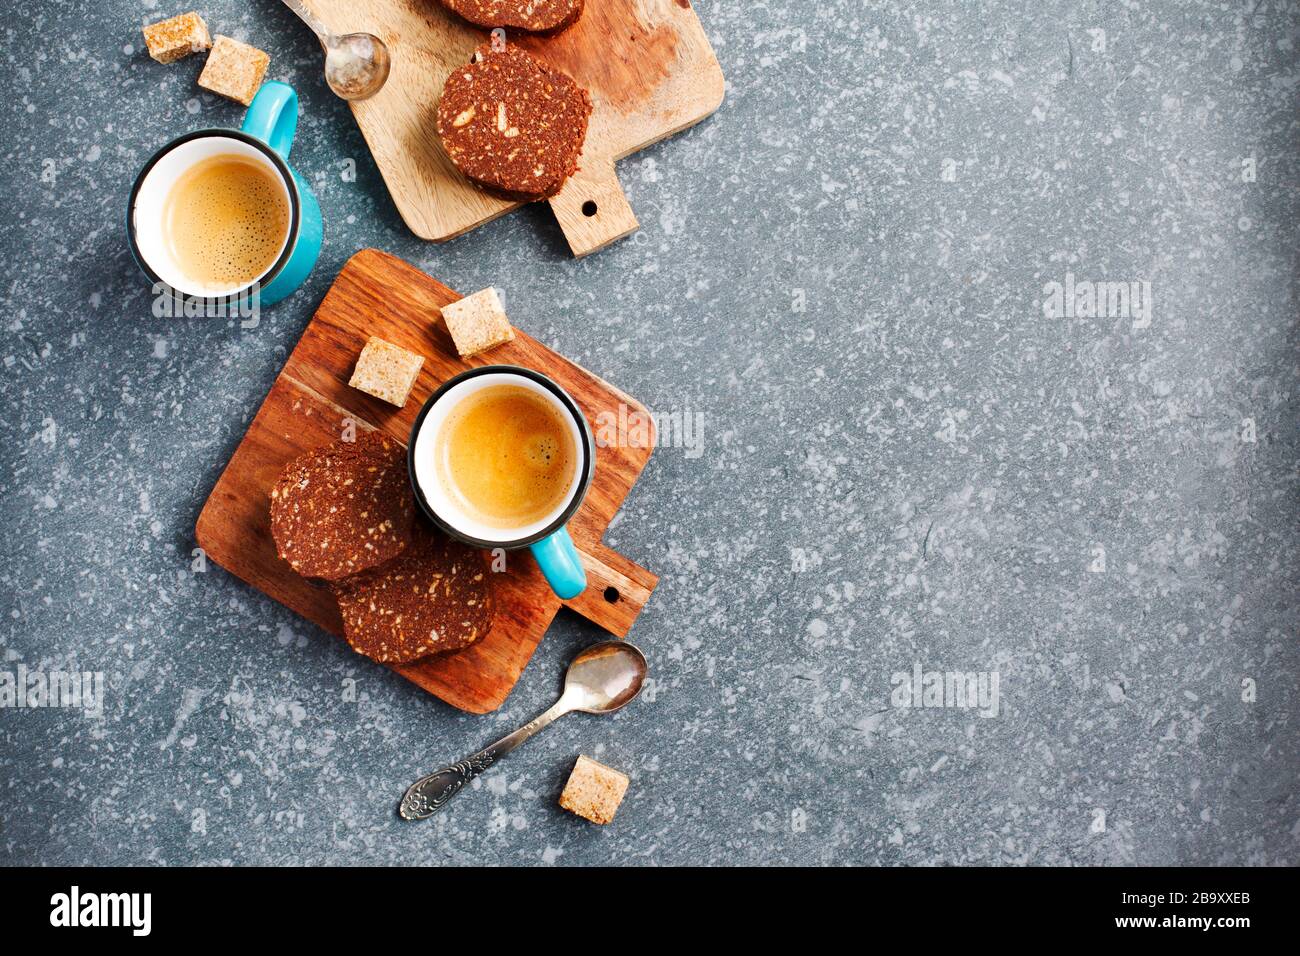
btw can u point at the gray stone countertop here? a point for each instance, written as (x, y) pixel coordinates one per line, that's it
(910, 460)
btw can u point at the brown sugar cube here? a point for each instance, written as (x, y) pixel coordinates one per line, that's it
(477, 322)
(169, 40)
(386, 371)
(234, 70)
(594, 791)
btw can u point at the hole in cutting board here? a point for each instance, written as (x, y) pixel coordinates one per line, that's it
(589, 209)
(611, 594)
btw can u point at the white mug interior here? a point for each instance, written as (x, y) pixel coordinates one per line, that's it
(426, 470)
(149, 211)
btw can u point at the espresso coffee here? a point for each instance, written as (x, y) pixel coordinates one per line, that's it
(226, 221)
(505, 456)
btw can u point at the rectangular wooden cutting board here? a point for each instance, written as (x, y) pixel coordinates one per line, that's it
(646, 63)
(377, 294)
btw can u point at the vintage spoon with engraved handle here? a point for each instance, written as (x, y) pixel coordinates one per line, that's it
(356, 64)
(601, 679)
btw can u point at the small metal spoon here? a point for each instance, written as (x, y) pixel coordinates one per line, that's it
(601, 679)
(356, 64)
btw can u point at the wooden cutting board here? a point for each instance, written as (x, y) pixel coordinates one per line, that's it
(646, 63)
(377, 294)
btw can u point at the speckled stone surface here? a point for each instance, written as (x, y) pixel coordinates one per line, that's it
(910, 458)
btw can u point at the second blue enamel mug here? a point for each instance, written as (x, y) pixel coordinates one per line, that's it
(265, 137)
(547, 537)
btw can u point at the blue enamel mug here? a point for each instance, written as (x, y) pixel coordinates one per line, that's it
(546, 535)
(265, 138)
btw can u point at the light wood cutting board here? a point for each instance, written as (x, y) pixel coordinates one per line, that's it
(377, 294)
(646, 63)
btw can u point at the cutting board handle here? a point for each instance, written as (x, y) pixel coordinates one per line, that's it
(591, 208)
(616, 589)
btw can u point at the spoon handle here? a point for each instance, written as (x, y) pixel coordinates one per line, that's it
(428, 794)
(309, 18)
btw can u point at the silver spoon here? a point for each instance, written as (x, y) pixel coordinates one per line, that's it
(601, 679)
(356, 64)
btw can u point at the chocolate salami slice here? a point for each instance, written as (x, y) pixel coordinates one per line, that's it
(432, 599)
(343, 508)
(512, 124)
(534, 16)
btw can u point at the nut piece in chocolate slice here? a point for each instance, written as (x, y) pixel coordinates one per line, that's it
(512, 124)
(343, 508)
(534, 16)
(432, 599)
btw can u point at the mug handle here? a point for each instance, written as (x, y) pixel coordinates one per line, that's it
(272, 117)
(559, 561)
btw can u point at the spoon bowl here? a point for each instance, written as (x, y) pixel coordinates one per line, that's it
(604, 677)
(356, 65)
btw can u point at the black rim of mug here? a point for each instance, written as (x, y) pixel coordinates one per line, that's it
(294, 202)
(588, 456)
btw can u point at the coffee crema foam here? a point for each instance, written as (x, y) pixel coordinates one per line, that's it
(505, 456)
(227, 218)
